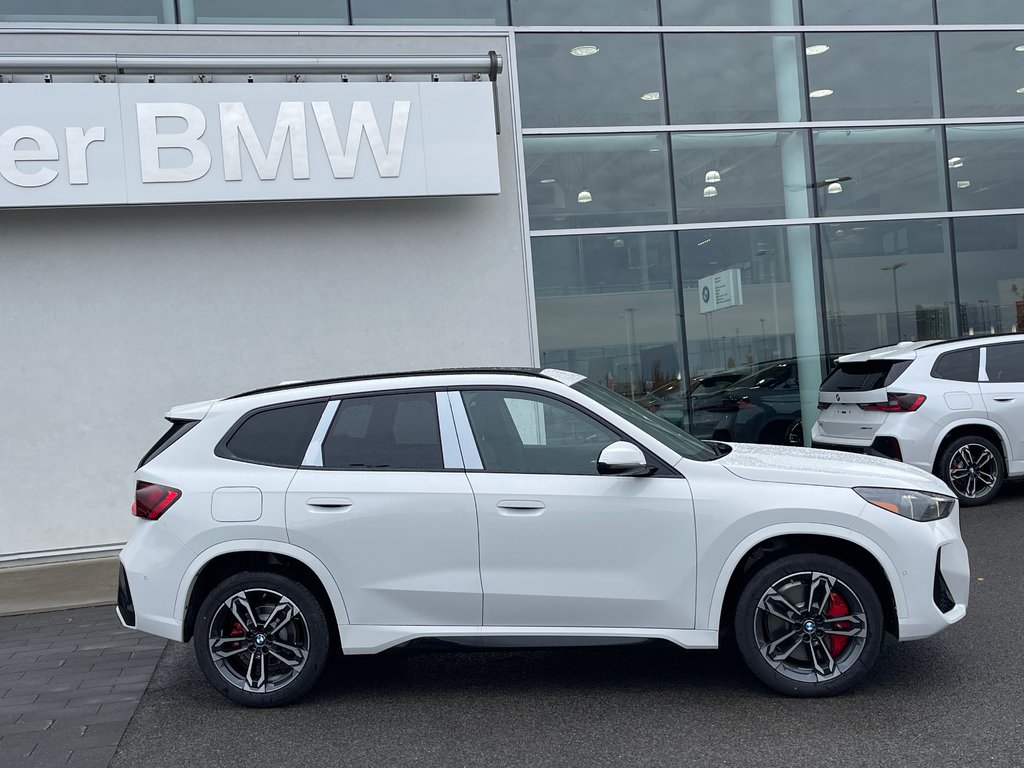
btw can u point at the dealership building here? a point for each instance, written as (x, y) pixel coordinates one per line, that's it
(200, 197)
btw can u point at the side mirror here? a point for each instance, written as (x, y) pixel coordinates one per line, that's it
(625, 459)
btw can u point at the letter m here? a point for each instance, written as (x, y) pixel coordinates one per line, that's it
(290, 125)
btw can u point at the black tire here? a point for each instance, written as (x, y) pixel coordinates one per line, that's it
(282, 643)
(785, 610)
(969, 462)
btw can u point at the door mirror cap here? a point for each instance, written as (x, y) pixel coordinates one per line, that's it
(622, 458)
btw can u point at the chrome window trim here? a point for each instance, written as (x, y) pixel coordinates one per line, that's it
(467, 443)
(314, 456)
(926, 122)
(450, 453)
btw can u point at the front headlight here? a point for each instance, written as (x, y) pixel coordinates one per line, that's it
(917, 505)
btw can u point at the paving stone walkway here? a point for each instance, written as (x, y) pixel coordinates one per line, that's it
(69, 684)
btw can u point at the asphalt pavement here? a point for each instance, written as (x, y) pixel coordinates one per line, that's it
(952, 700)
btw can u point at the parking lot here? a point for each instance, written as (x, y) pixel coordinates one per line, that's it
(951, 700)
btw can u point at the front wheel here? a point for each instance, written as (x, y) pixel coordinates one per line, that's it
(809, 625)
(261, 639)
(973, 468)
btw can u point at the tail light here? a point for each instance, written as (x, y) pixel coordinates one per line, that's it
(897, 403)
(152, 500)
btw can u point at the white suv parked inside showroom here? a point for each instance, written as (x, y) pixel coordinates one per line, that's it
(954, 408)
(519, 507)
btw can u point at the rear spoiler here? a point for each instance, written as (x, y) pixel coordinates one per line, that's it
(190, 411)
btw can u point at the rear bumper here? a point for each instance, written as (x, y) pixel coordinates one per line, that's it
(882, 446)
(152, 564)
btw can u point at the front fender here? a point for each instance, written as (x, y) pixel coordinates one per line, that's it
(188, 580)
(728, 567)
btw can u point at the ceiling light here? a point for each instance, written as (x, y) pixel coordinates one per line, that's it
(654, 149)
(963, 184)
(835, 188)
(814, 50)
(1020, 90)
(547, 181)
(956, 162)
(1019, 48)
(710, 191)
(712, 177)
(703, 242)
(618, 242)
(584, 50)
(821, 92)
(584, 196)
(652, 96)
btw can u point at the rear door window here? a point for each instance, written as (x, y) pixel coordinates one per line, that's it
(961, 365)
(385, 432)
(1005, 362)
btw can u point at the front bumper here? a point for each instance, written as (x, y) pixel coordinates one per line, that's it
(932, 568)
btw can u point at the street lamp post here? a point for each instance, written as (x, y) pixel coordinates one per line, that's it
(896, 296)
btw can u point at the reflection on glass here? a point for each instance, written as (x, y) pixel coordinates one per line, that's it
(978, 12)
(885, 282)
(585, 13)
(733, 78)
(878, 170)
(740, 175)
(264, 11)
(753, 336)
(597, 181)
(130, 11)
(982, 73)
(984, 166)
(868, 12)
(872, 75)
(606, 308)
(483, 12)
(728, 13)
(990, 269)
(617, 82)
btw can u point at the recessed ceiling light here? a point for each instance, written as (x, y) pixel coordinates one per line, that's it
(956, 162)
(1020, 90)
(814, 50)
(963, 184)
(652, 96)
(1019, 48)
(654, 149)
(821, 92)
(547, 181)
(710, 191)
(712, 177)
(584, 50)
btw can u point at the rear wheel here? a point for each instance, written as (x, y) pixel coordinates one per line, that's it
(973, 467)
(809, 625)
(261, 639)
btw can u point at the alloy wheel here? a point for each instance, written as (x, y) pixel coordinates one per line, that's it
(259, 640)
(973, 471)
(810, 627)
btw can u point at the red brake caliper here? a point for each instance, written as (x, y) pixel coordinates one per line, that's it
(838, 607)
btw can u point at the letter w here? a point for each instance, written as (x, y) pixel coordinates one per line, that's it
(291, 124)
(343, 159)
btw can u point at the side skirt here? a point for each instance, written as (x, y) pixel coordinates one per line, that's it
(363, 638)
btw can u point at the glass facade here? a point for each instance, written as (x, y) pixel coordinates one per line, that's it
(719, 209)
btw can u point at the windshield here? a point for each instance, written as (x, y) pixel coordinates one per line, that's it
(661, 430)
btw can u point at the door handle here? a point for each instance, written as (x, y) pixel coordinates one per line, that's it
(329, 504)
(524, 507)
(1003, 399)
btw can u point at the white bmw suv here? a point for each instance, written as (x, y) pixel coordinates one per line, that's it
(519, 507)
(953, 408)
